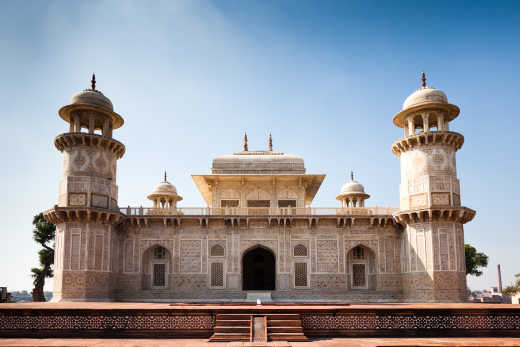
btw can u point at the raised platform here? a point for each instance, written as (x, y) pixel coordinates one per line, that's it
(161, 320)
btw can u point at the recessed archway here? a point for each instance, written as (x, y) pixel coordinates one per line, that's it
(258, 270)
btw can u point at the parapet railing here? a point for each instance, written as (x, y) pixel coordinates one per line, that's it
(258, 211)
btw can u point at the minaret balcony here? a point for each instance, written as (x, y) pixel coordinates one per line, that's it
(65, 140)
(58, 215)
(448, 138)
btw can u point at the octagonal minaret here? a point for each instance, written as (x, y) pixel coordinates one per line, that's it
(432, 257)
(87, 208)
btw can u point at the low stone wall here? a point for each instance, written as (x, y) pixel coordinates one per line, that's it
(318, 319)
(105, 323)
(414, 323)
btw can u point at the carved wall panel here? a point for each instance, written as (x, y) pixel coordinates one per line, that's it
(191, 255)
(440, 199)
(99, 200)
(327, 254)
(418, 201)
(77, 199)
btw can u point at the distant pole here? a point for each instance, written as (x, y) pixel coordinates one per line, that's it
(499, 279)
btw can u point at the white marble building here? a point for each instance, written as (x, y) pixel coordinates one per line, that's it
(259, 231)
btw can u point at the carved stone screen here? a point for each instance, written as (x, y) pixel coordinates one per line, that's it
(358, 276)
(258, 203)
(286, 203)
(228, 203)
(217, 251)
(159, 275)
(217, 275)
(300, 251)
(300, 274)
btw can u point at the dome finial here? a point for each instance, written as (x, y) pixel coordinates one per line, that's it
(351, 175)
(270, 143)
(165, 176)
(245, 142)
(93, 81)
(423, 79)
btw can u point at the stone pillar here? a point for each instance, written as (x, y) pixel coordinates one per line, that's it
(426, 124)
(91, 123)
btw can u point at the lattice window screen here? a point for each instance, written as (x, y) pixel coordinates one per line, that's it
(217, 275)
(217, 251)
(300, 251)
(300, 274)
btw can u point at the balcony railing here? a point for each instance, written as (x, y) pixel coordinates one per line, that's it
(258, 211)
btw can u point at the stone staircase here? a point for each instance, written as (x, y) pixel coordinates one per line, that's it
(246, 327)
(285, 327)
(232, 327)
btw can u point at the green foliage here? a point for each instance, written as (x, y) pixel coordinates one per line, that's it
(43, 233)
(512, 289)
(474, 260)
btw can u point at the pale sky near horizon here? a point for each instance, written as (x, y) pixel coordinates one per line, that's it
(325, 77)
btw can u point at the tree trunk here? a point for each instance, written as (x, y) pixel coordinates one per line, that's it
(39, 283)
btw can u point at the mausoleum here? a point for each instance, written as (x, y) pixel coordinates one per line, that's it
(259, 232)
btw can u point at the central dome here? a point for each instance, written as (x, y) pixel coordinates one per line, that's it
(258, 162)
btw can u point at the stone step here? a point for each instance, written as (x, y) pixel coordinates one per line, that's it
(286, 329)
(287, 337)
(282, 322)
(232, 322)
(233, 329)
(283, 316)
(233, 316)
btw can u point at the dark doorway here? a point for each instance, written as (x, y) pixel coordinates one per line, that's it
(258, 270)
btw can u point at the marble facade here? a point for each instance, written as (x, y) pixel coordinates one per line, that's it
(259, 230)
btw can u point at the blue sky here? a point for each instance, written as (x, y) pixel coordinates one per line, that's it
(325, 77)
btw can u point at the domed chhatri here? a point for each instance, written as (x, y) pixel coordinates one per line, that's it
(164, 195)
(425, 95)
(425, 98)
(90, 102)
(92, 98)
(352, 193)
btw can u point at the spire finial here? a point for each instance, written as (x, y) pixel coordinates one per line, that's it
(245, 142)
(270, 143)
(423, 79)
(351, 175)
(165, 176)
(93, 81)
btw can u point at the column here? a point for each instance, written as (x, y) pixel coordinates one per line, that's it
(440, 122)
(411, 125)
(106, 127)
(77, 124)
(91, 123)
(425, 120)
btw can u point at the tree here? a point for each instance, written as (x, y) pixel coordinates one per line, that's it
(514, 288)
(43, 233)
(474, 260)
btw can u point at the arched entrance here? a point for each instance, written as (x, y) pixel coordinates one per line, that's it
(258, 270)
